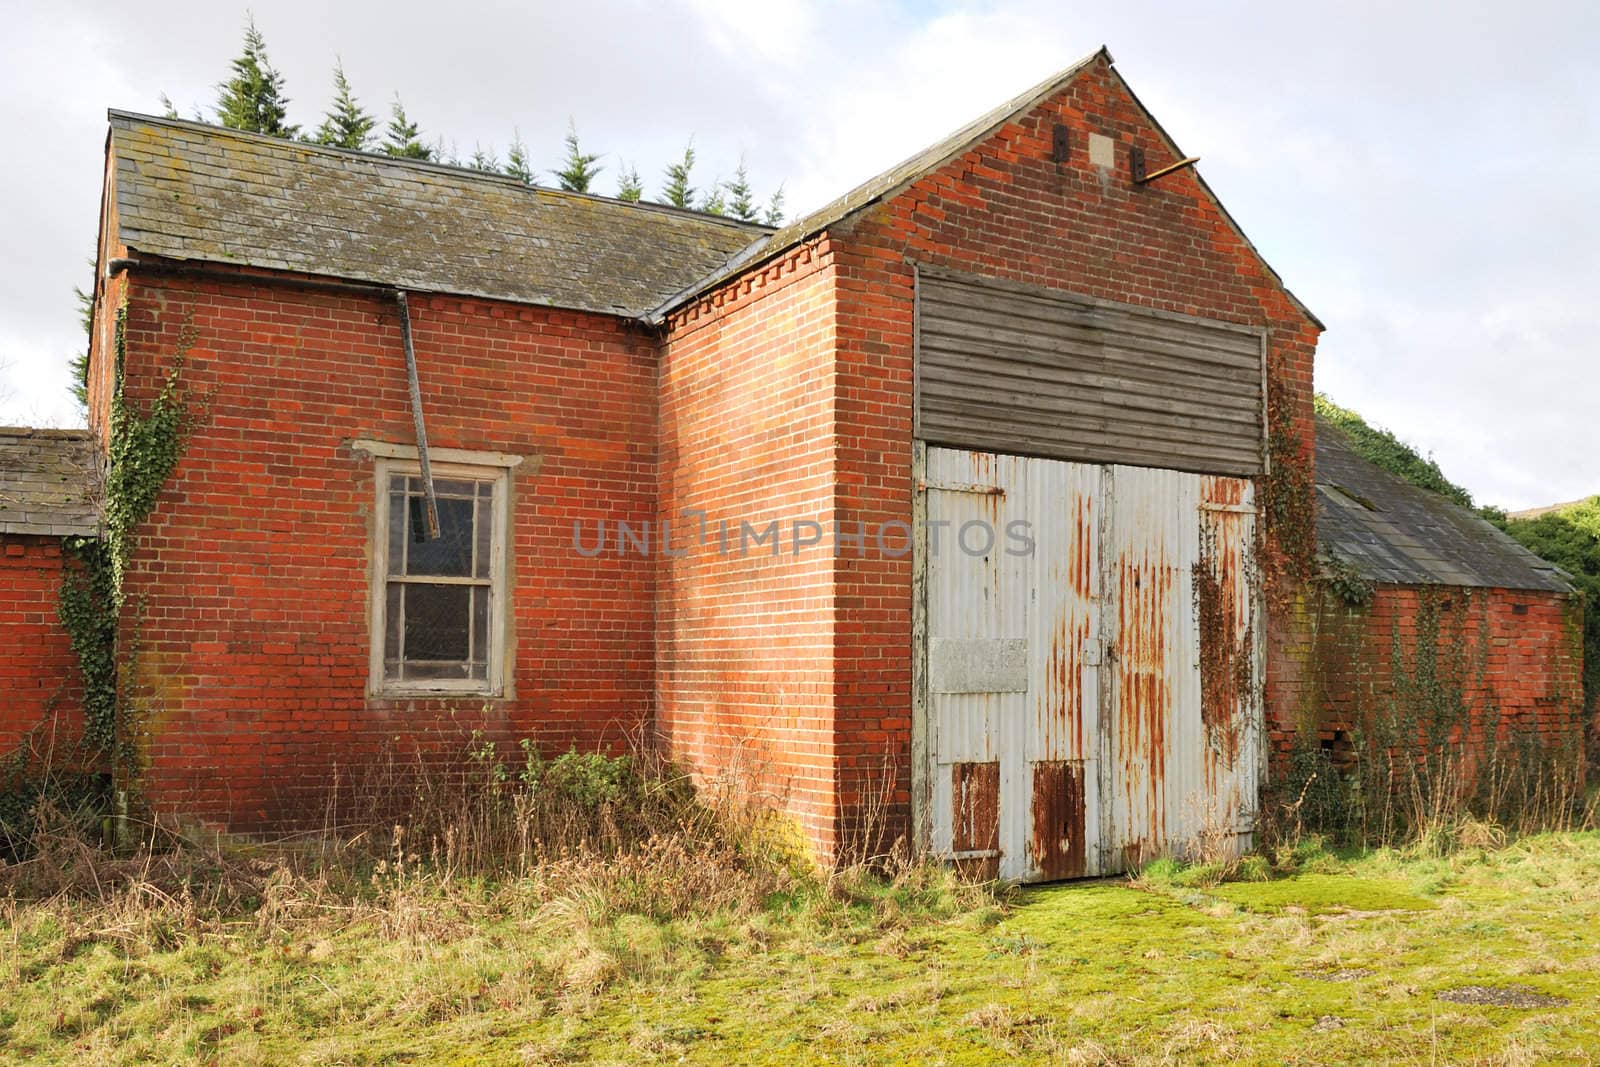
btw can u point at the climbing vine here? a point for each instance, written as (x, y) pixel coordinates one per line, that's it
(1288, 536)
(1424, 743)
(143, 448)
(1347, 581)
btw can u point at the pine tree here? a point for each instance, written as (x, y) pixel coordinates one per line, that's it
(579, 169)
(741, 198)
(253, 98)
(168, 108)
(517, 160)
(487, 162)
(629, 187)
(402, 138)
(714, 202)
(678, 192)
(347, 124)
(80, 363)
(774, 213)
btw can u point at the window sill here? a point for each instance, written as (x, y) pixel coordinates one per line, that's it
(434, 692)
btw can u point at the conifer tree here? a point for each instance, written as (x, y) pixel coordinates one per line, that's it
(579, 168)
(774, 213)
(678, 192)
(487, 162)
(629, 186)
(79, 364)
(517, 160)
(347, 124)
(714, 202)
(401, 138)
(741, 198)
(253, 98)
(168, 108)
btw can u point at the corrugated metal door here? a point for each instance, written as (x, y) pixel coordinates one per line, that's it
(1012, 705)
(1092, 702)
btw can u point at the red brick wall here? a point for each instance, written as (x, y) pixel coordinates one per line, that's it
(41, 688)
(1336, 661)
(745, 644)
(248, 590)
(1004, 209)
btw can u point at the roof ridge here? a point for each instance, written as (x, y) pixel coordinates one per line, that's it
(428, 165)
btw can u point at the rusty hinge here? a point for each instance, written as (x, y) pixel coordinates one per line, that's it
(961, 487)
(971, 854)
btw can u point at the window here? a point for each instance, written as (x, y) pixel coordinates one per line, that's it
(439, 606)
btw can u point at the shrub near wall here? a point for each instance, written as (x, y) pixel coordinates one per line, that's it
(1427, 703)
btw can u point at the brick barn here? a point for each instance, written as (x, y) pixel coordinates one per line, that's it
(691, 476)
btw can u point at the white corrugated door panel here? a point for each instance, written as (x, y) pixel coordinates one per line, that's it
(1063, 795)
(977, 640)
(1184, 664)
(1012, 580)
(1152, 543)
(1227, 618)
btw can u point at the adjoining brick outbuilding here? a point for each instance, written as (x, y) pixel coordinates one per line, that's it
(47, 498)
(1427, 629)
(690, 475)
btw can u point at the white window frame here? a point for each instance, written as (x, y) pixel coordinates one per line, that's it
(390, 460)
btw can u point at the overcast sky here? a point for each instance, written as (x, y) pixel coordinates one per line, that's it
(1423, 176)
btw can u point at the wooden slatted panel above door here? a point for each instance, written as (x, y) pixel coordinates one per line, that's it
(1007, 367)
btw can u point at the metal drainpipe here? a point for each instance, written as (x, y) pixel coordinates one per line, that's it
(432, 503)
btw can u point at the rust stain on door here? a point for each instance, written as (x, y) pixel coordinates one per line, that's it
(975, 788)
(1144, 590)
(1224, 623)
(1058, 842)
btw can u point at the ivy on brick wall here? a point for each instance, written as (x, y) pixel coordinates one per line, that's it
(143, 449)
(1287, 500)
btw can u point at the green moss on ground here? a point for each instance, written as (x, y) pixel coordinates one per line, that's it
(1340, 964)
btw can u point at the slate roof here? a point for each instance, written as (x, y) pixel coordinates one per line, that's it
(190, 191)
(47, 480)
(1391, 531)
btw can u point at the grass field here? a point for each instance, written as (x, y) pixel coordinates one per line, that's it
(1482, 955)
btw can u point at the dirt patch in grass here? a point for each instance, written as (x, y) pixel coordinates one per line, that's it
(1343, 974)
(1506, 996)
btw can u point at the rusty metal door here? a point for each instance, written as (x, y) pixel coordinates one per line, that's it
(1088, 686)
(1010, 681)
(1183, 700)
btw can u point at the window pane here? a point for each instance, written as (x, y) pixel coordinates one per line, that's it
(436, 621)
(449, 487)
(451, 553)
(422, 672)
(393, 618)
(480, 625)
(399, 530)
(485, 536)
